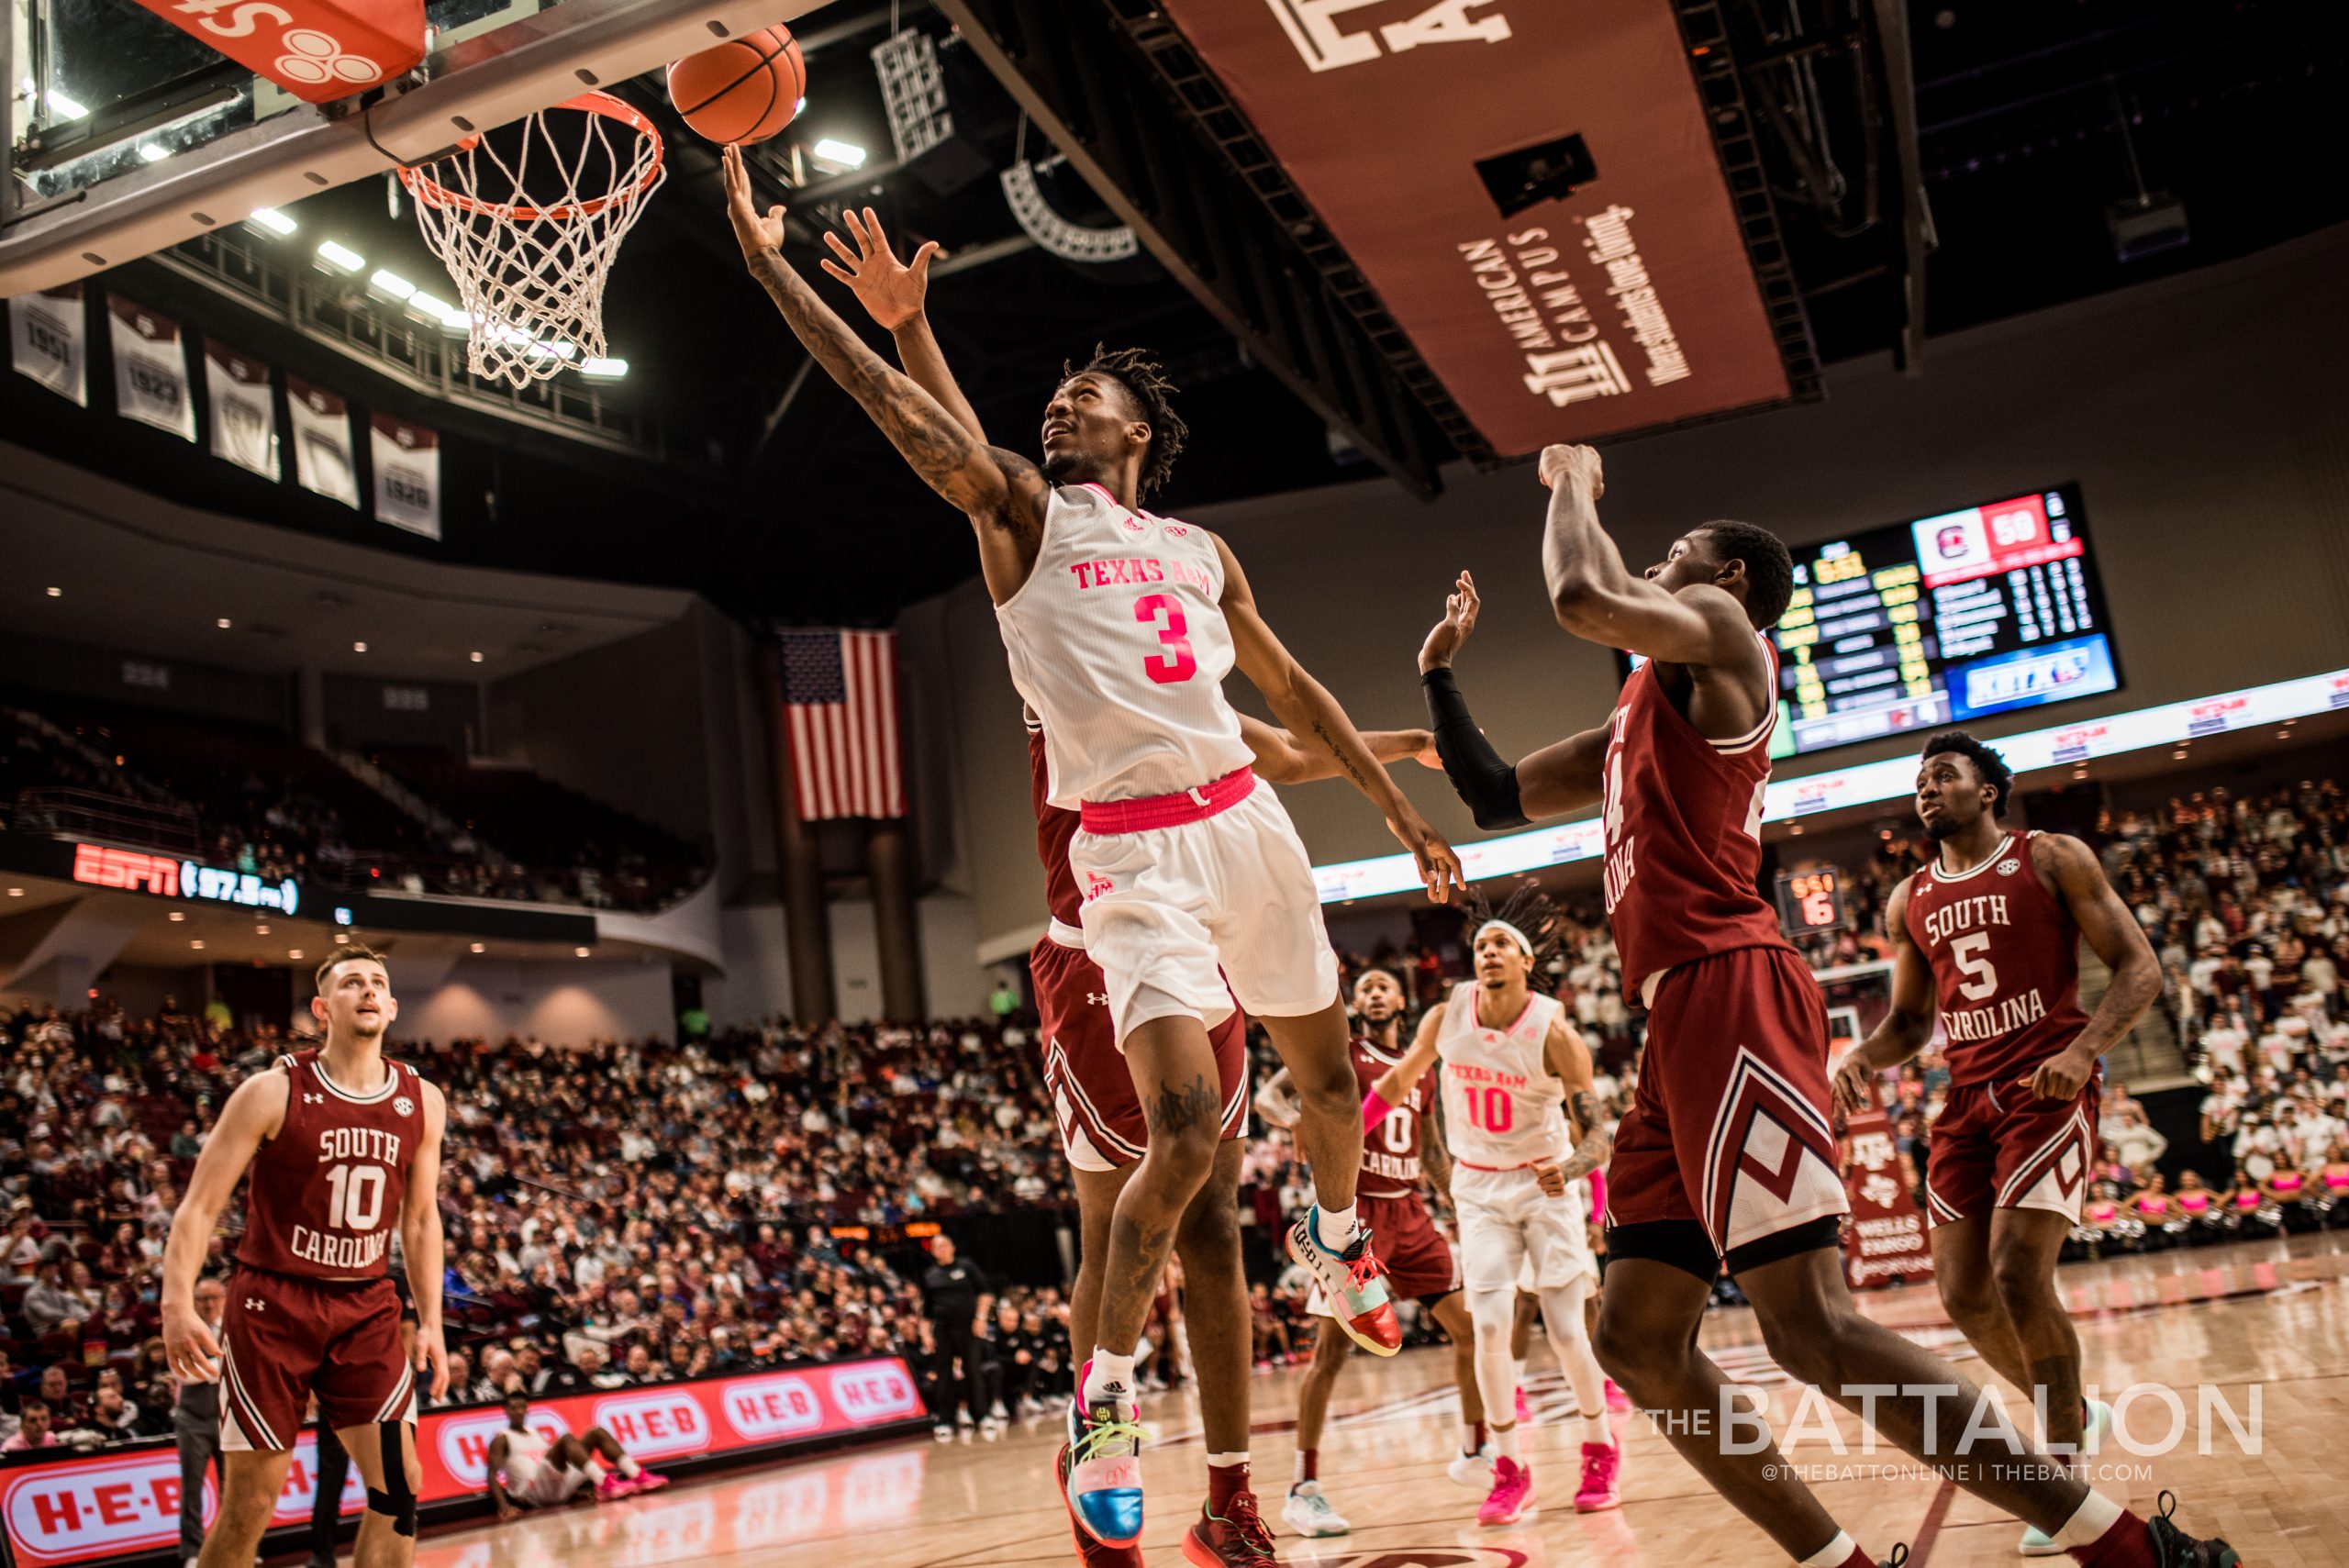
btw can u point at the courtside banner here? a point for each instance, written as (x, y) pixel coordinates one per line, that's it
(1420, 130)
(127, 1502)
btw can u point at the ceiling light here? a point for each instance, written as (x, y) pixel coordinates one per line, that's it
(294, 953)
(840, 156)
(197, 944)
(261, 930)
(359, 648)
(222, 623)
(475, 656)
(270, 218)
(431, 305)
(153, 153)
(481, 946)
(579, 952)
(341, 256)
(62, 107)
(179, 914)
(389, 284)
(604, 370)
(16, 892)
(57, 593)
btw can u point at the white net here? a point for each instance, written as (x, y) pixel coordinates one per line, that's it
(529, 230)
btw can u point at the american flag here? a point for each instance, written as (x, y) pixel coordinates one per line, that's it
(840, 699)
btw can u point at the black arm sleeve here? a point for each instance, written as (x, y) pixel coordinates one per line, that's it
(1486, 783)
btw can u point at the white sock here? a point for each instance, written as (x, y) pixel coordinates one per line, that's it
(1335, 1228)
(1504, 1442)
(2095, 1515)
(1226, 1460)
(1467, 1437)
(1834, 1554)
(628, 1468)
(1594, 1431)
(1521, 1370)
(1108, 1377)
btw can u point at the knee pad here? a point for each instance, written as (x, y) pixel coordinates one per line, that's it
(396, 1501)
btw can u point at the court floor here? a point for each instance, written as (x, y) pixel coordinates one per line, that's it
(2257, 1329)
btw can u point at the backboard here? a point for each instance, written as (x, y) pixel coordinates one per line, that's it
(124, 136)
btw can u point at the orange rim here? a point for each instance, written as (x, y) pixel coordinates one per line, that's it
(425, 188)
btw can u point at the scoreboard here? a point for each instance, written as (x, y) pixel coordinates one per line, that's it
(1811, 901)
(1940, 620)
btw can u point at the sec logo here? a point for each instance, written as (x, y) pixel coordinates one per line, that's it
(2009, 866)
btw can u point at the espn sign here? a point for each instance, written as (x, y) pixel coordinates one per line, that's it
(317, 49)
(655, 1423)
(129, 869)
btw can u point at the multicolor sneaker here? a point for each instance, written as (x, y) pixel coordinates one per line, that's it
(1090, 1552)
(2037, 1542)
(1512, 1493)
(1308, 1513)
(1602, 1463)
(1616, 1400)
(1354, 1283)
(1474, 1470)
(2173, 1547)
(1101, 1467)
(1236, 1539)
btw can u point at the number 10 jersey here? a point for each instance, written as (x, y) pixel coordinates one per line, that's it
(1503, 1107)
(326, 1193)
(1117, 641)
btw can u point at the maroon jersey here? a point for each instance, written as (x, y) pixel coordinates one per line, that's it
(2006, 958)
(1390, 1152)
(326, 1193)
(1683, 823)
(1054, 828)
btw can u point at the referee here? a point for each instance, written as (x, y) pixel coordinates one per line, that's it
(956, 1294)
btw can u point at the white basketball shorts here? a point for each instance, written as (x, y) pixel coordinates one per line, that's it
(1514, 1237)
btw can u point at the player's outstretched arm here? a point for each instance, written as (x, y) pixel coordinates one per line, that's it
(1570, 1059)
(423, 1245)
(1395, 1085)
(1306, 706)
(2116, 937)
(1601, 600)
(1277, 1101)
(252, 1115)
(1906, 1028)
(1000, 492)
(893, 293)
(1550, 783)
(1282, 759)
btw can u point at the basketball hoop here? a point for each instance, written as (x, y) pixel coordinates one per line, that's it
(530, 269)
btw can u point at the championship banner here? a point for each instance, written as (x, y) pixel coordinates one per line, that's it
(1558, 241)
(407, 474)
(124, 1502)
(45, 342)
(1885, 1240)
(244, 412)
(150, 368)
(323, 463)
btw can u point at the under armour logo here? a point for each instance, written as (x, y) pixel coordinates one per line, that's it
(252, 1304)
(314, 1099)
(1096, 998)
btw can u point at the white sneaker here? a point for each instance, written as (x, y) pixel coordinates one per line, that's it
(991, 1429)
(2037, 1542)
(1308, 1513)
(943, 1432)
(1474, 1470)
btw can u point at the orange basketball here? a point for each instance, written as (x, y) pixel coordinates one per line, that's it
(745, 90)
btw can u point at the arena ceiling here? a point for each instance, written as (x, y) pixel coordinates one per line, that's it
(2031, 121)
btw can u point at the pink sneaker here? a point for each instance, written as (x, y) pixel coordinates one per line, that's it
(1512, 1493)
(1602, 1464)
(1616, 1400)
(612, 1487)
(1524, 1417)
(647, 1481)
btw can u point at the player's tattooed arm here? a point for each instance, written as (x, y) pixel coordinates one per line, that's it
(1395, 1085)
(1282, 759)
(1570, 1059)
(894, 294)
(1906, 1028)
(2117, 938)
(1001, 493)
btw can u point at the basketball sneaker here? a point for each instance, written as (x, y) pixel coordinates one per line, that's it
(1090, 1553)
(2037, 1542)
(1616, 1400)
(1602, 1465)
(1512, 1493)
(1308, 1512)
(1353, 1282)
(1524, 1413)
(2173, 1547)
(1237, 1539)
(1101, 1477)
(1474, 1470)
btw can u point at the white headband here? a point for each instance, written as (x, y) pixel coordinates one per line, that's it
(1520, 938)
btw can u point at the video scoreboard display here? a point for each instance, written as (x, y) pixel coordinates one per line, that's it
(1942, 621)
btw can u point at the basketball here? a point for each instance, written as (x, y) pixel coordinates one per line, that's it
(744, 90)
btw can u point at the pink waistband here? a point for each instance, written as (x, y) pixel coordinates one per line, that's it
(1168, 810)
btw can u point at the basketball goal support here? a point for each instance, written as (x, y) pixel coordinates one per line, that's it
(473, 85)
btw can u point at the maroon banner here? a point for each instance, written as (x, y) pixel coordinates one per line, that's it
(1627, 304)
(79, 1507)
(1885, 1240)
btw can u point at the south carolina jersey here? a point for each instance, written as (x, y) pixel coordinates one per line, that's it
(1683, 824)
(325, 1193)
(1502, 1105)
(2006, 958)
(1054, 828)
(1118, 644)
(1390, 1152)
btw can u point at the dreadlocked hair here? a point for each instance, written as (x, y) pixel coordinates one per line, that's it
(1530, 911)
(1144, 379)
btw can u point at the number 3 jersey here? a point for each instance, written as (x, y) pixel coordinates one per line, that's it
(2006, 958)
(1503, 1107)
(1118, 642)
(325, 1194)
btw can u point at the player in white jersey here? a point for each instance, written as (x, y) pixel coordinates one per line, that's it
(1512, 1068)
(530, 1470)
(1120, 627)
